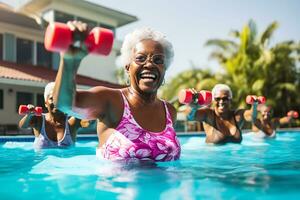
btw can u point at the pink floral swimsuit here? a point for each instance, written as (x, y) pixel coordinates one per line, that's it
(131, 141)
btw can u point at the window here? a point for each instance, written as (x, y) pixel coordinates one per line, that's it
(44, 57)
(62, 17)
(1, 99)
(40, 101)
(23, 98)
(1, 47)
(24, 51)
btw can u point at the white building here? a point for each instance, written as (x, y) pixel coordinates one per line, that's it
(26, 67)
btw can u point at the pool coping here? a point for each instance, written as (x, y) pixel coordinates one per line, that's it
(83, 137)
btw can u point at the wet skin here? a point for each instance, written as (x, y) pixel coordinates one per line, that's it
(146, 72)
(220, 126)
(267, 124)
(145, 79)
(54, 122)
(221, 123)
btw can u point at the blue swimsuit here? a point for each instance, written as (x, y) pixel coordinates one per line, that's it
(42, 141)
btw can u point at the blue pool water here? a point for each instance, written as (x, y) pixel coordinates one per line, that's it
(256, 169)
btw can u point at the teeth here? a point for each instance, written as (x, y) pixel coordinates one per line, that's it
(148, 76)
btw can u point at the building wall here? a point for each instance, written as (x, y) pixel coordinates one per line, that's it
(101, 67)
(8, 114)
(98, 67)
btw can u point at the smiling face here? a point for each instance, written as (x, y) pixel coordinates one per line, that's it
(222, 101)
(147, 68)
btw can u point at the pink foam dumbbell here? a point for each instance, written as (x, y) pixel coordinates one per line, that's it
(293, 114)
(59, 37)
(202, 98)
(24, 110)
(250, 99)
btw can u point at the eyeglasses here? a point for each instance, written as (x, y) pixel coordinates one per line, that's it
(223, 98)
(142, 59)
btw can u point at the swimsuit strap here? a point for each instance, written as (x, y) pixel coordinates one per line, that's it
(43, 129)
(168, 114)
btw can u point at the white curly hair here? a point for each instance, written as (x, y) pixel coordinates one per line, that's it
(48, 89)
(139, 35)
(221, 87)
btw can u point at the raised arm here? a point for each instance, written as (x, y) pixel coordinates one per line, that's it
(197, 113)
(30, 119)
(288, 118)
(197, 101)
(80, 104)
(250, 115)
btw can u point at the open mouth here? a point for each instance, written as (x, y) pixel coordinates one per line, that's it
(148, 76)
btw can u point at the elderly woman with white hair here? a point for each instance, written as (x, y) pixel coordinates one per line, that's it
(52, 129)
(265, 126)
(133, 123)
(222, 124)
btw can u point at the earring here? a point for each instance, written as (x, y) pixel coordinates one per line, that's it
(128, 80)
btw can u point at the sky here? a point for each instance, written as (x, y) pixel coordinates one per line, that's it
(188, 24)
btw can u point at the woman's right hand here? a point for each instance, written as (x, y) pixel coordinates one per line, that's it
(31, 108)
(78, 50)
(194, 104)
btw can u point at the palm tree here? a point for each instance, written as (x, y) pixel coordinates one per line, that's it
(253, 67)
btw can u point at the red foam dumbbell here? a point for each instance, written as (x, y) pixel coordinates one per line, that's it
(59, 37)
(293, 114)
(24, 110)
(202, 98)
(250, 99)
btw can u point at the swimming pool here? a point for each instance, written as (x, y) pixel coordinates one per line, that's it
(256, 169)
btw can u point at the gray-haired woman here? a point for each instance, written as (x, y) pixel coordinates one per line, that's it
(133, 123)
(222, 124)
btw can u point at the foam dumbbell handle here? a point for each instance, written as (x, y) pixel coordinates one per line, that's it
(185, 96)
(204, 97)
(99, 41)
(58, 37)
(293, 114)
(38, 111)
(261, 99)
(250, 99)
(23, 110)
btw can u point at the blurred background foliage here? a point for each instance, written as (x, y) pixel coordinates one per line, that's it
(250, 65)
